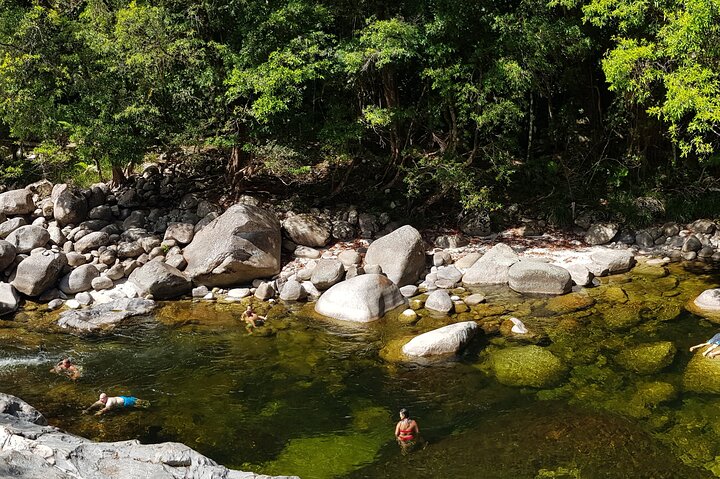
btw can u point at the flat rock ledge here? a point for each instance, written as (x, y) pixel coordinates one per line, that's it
(29, 450)
(101, 316)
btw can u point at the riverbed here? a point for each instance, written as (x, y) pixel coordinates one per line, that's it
(319, 398)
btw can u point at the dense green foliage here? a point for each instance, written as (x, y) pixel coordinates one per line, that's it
(475, 101)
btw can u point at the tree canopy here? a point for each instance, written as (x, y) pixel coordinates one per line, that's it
(467, 100)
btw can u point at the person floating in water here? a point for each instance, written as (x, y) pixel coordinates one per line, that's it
(67, 368)
(406, 431)
(107, 403)
(713, 343)
(252, 320)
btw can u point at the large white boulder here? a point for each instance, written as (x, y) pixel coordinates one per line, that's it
(38, 272)
(445, 340)
(79, 280)
(160, 280)
(9, 299)
(709, 300)
(69, 205)
(541, 278)
(610, 261)
(492, 268)
(17, 202)
(362, 299)
(240, 245)
(307, 230)
(7, 254)
(400, 254)
(27, 238)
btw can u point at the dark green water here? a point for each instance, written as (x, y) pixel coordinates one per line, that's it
(316, 399)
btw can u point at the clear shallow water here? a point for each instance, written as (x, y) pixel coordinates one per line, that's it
(316, 399)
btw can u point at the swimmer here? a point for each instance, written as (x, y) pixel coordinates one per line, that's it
(107, 403)
(252, 320)
(67, 368)
(713, 343)
(406, 431)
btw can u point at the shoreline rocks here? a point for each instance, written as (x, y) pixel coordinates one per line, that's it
(31, 448)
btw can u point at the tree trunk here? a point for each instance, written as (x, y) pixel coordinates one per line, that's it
(118, 176)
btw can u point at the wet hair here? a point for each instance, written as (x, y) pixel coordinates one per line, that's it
(405, 413)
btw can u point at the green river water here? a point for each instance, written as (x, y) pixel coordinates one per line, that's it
(319, 399)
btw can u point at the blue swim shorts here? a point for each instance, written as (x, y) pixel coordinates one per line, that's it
(129, 401)
(715, 339)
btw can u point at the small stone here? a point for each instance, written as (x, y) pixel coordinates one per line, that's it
(239, 293)
(55, 304)
(72, 304)
(199, 292)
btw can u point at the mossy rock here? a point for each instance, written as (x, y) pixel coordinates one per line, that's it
(485, 310)
(615, 294)
(570, 303)
(702, 375)
(654, 392)
(663, 310)
(392, 351)
(417, 303)
(622, 316)
(531, 366)
(648, 358)
(650, 271)
(666, 284)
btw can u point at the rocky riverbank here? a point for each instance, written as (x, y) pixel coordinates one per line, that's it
(156, 239)
(29, 448)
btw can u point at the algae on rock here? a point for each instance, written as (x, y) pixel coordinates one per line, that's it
(647, 358)
(527, 366)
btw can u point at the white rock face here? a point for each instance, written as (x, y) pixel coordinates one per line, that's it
(445, 340)
(610, 261)
(9, 299)
(709, 300)
(362, 299)
(240, 245)
(540, 278)
(492, 268)
(439, 300)
(17, 202)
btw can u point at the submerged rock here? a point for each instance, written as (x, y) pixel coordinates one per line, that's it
(106, 314)
(363, 298)
(31, 450)
(445, 340)
(702, 375)
(647, 358)
(527, 366)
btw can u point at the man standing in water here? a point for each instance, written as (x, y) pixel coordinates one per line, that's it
(406, 431)
(107, 403)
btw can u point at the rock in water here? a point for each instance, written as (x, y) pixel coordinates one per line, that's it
(240, 245)
(362, 299)
(400, 254)
(9, 299)
(531, 366)
(445, 340)
(105, 314)
(540, 278)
